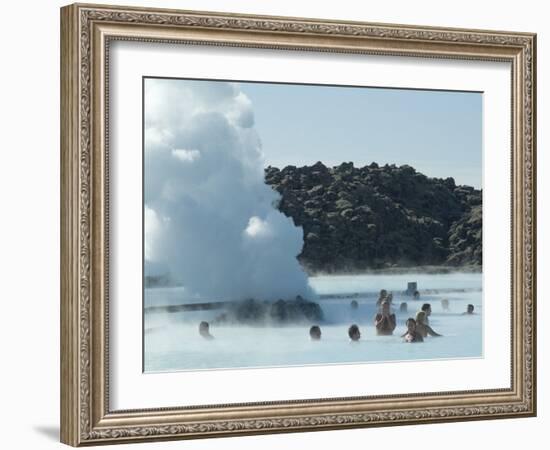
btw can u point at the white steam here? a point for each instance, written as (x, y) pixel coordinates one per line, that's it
(210, 219)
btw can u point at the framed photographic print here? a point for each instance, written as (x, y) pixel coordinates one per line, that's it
(278, 224)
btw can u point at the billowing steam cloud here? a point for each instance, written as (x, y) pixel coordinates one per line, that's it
(209, 216)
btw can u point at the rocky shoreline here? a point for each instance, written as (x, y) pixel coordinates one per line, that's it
(358, 219)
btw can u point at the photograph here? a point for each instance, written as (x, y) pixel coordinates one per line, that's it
(291, 224)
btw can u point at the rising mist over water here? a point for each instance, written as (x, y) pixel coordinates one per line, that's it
(172, 341)
(210, 220)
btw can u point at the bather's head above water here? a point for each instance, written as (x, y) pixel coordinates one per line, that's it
(204, 330)
(403, 307)
(427, 308)
(383, 297)
(354, 333)
(354, 304)
(315, 333)
(411, 325)
(470, 309)
(412, 334)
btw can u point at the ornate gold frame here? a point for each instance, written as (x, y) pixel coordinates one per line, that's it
(86, 31)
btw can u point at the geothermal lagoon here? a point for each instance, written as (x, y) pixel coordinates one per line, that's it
(172, 341)
(246, 199)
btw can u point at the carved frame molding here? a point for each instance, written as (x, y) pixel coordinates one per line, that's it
(86, 31)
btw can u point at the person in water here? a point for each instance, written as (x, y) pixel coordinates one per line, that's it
(412, 335)
(469, 310)
(204, 330)
(354, 304)
(445, 304)
(422, 327)
(354, 333)
(383, 295)
(403, 307)
(427, 308)
(315, 333)
(385, 321)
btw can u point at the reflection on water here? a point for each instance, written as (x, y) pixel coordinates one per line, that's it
(172, 341)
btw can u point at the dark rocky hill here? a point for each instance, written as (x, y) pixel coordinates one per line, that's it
(378, 217)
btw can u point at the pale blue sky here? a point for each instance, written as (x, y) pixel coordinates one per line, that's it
(437, 132)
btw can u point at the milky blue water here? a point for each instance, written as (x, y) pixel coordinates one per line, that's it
(172, 342)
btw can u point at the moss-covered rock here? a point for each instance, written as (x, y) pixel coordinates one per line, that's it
(379, 216)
